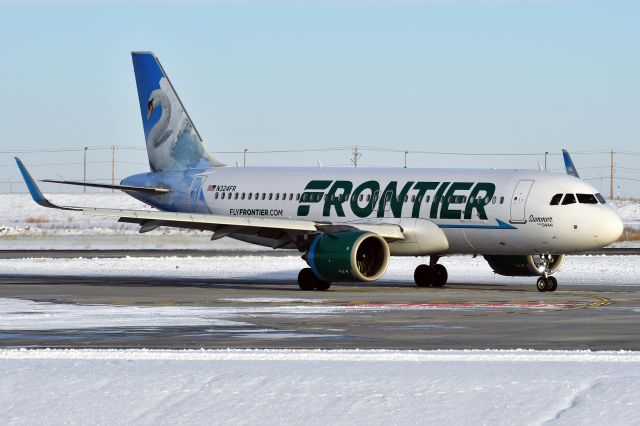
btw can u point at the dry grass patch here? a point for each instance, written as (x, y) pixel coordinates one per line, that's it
(32, 219)
(630, 234)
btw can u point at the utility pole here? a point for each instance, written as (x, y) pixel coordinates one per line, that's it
(244, 158)
(545, 159)
(84, 188)
(113, 167)
(356, 156)
(611, 178)
(405, 159)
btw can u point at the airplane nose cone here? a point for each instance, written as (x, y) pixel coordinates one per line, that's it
(609, 228)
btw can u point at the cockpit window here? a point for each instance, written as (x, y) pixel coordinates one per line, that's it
(587, 199)
(555, 200)
(569, 199)
(600, 198)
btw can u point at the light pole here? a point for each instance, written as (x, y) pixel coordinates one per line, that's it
(545, 159)
(405, 159)
(84, 188)
(600, 182)
(244, 158)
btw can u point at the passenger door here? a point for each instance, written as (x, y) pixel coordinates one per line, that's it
(519, 201)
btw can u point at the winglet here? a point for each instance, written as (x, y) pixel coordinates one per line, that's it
(568, 164)
(35, 192)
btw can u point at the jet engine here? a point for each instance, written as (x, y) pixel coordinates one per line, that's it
(348, 256)
(525, 266)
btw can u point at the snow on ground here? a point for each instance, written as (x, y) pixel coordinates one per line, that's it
(18, 314)
(318, 387)
(628, 210)
(576, 269)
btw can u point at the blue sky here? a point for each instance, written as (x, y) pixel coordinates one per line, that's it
(463, 76)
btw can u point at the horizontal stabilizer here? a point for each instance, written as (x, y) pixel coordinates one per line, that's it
(107, 186)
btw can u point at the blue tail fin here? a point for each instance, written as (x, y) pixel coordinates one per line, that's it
(568, 164)
(173, 143)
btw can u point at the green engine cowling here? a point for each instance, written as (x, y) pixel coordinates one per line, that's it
(348, 256)
(525, 266)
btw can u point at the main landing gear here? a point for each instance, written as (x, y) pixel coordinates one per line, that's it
(547, 283)
(431, 275)
(308, 281)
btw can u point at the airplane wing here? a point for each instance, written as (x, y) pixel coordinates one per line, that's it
(107, 186)
(283, 232)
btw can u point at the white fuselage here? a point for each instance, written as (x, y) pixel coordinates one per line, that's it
(479, 211)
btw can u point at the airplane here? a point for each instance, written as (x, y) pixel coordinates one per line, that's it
(349, 222)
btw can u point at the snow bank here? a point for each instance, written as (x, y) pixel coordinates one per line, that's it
(318, 387)
(576, 269)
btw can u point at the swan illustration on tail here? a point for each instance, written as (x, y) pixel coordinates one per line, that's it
(173, 143)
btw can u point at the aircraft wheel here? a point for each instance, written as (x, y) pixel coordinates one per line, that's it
(306, 279)
(541, 284)
(440, 275)
(322, 285)
(552, 284)
(422, 275)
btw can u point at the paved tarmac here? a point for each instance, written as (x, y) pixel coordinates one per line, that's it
(276, 314)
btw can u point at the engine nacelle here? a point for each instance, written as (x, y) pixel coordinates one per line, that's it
(348, 256)
(525, 266)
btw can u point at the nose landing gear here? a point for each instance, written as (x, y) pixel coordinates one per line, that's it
(546, 283)
(432, 275)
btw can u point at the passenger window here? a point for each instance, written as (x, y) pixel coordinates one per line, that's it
(569, 199)
(264, 194)
(555, 200)
(501, 200)
(413, 198)
(277, 196)
(216, 196)
(600, 198)
(236, 196)
(427, 198)
(242, 196)
(249, 195)
(587, 199)
(271, 196)
(298, 197)
(368, 197)
(360, 197)
(493, 200)
(291, 196)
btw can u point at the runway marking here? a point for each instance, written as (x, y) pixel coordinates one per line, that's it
(480, 307)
